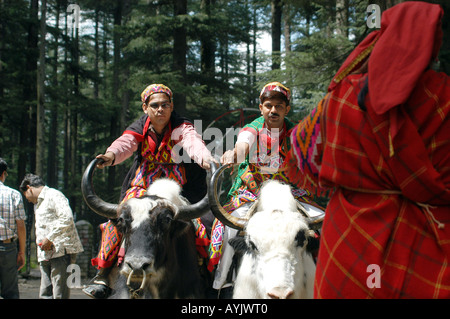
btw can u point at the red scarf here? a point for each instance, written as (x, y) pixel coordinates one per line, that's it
(408, 41)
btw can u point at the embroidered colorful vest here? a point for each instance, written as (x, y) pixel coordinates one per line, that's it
(263, 163)
(156, 162)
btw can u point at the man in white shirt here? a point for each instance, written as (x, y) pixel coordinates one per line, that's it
(56, 236)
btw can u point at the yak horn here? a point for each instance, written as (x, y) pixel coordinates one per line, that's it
(94, 202)
(198, 209)
(314, 214)
(219, 212)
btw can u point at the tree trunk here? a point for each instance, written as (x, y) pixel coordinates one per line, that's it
(342, 18)
(254, 59)
(105, 55)
(27, 150)
(66, 117)
(207, 46)
(52, 161)
(74, 120)
(276, 6)
(287, 27)
(179, 55)
(126, 93)
(40, 121)
(115, 118)
(97, 54)
(224, 67)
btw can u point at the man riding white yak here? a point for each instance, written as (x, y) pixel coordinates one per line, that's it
(260, 149)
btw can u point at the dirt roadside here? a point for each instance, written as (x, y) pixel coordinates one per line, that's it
(29, 287)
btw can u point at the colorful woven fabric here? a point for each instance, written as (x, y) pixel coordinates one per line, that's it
(268, 152)
(149, 172)
(201, 238)
(306, 154)
(109, 249)
(156, 162)
(215, 248)
(386, 232)
(251, 175)
(153, 162)
(155, 88)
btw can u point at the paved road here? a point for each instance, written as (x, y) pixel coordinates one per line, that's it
(29, 287)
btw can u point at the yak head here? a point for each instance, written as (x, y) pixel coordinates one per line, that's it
(276, 249)
(150, 225)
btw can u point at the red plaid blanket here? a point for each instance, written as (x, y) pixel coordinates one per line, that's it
(387, 212)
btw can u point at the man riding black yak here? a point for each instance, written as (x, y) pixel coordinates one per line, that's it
(154, 137)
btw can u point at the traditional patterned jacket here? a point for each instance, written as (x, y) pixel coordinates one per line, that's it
(168, 155)
(175, 155)
(267, 152)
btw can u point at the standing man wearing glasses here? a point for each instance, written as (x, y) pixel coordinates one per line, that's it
(155, 137)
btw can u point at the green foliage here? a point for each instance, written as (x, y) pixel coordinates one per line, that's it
(94, 77)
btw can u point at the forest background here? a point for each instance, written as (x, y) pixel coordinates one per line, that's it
(69, 88)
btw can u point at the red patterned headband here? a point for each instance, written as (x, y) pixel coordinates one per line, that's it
(155, 88)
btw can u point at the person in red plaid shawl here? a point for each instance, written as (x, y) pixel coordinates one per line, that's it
(380, 140)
